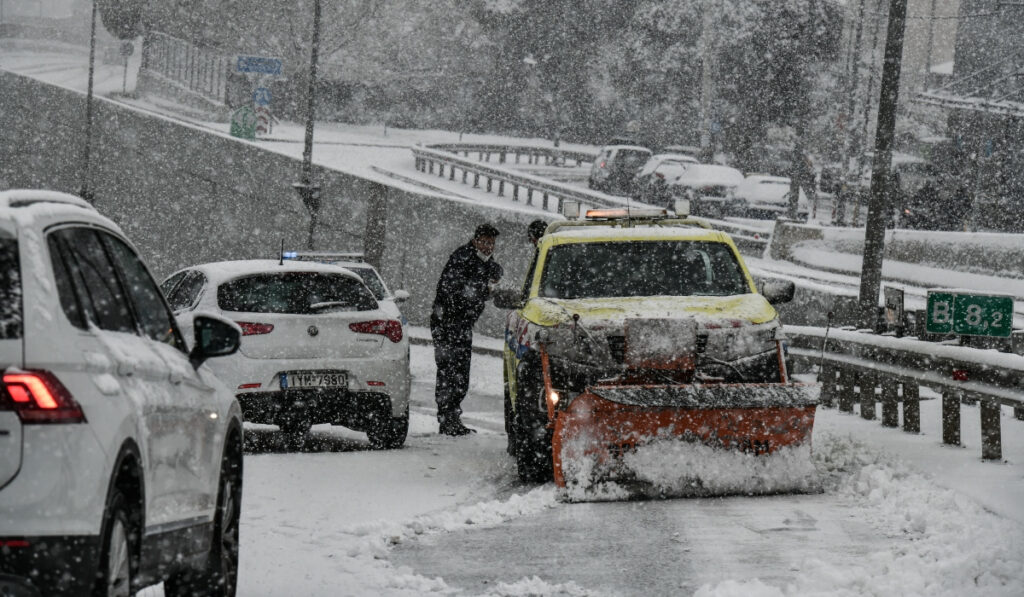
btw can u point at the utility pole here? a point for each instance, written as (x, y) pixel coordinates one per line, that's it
(931, 45)
(881, 193)
(707, 84)
(849, 138)
(85, 192)
(308, 190)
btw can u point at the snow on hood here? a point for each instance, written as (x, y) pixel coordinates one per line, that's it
(707, 310)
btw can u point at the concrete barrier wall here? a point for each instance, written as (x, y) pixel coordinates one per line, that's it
(186, 196)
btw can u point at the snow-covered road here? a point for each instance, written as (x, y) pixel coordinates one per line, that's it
(448, 516)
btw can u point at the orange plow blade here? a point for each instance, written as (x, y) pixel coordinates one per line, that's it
(607, 428)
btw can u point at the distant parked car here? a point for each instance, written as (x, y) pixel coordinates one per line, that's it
(317, 347)
(120, 452)
(615, 166)
(650, 183)
(763, 196)
(710, 189)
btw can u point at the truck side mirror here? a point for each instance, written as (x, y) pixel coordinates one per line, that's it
(506, 298)
(777, 291)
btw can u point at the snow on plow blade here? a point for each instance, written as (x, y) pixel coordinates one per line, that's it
(685, 440)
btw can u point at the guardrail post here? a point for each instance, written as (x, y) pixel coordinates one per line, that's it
(529, 196)
(1018, 412)
(828, 385)
(890, 402)
(430, 166)
(544, 203)
(991, 439)
(501, 188)
(452, 176)
(950, 416)
(465, 174)
(560, 204)
(490, 181)
(517, 156)
(868, 382)
(515, 191)
(501, 158)
(911, 407)
(847, 381)
(440, 169)
(476, 180)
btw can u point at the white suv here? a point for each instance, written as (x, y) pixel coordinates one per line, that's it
(120, 452)
(317, 347)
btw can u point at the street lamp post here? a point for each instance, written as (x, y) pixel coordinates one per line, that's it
(85, 192)
(308, 190)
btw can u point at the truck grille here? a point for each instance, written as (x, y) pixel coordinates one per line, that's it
(617, 346)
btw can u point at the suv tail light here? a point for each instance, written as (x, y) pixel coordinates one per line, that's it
(255, 329)
(39, 397)
(389, 328)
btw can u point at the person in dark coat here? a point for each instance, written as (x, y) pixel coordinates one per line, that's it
(463, 288)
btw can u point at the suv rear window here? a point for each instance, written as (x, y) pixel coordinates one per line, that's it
(631, 159)
(294, 292)
(10, 290)
(641, 268)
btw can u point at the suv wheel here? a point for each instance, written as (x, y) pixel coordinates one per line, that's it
(387, 432)
(219, 577)
(117, 562)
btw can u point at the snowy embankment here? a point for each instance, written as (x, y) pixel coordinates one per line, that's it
(955, 547)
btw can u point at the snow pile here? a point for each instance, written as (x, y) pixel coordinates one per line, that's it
(534, 586)
(955, 547)
(669, 467)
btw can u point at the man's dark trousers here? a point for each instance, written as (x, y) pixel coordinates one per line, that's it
(453, 350)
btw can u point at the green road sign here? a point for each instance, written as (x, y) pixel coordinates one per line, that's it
(243, 123)
(951, 312)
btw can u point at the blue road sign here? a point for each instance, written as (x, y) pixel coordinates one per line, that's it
(261, 96)
(258, 64)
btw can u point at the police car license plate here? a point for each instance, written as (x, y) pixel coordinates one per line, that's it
(314, 379)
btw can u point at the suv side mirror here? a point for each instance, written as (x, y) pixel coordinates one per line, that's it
(214, 337)
(777, 291)
(401, 296)
(507, 298)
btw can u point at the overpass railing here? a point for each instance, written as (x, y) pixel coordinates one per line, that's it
(854, 366)
(446, 161)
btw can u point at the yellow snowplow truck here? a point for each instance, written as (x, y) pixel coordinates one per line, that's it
(640, 327)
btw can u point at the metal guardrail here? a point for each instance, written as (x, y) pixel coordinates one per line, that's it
(533, 155)
(855, 364)
(447, 161)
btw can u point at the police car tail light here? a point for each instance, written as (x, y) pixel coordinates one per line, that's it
(255, 329)
(39, 397)
(389, 328)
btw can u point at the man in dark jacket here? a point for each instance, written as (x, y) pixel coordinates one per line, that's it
(463, 288)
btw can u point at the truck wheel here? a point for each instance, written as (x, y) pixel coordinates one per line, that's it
(387, 432)
(510, 424)
(532, 445)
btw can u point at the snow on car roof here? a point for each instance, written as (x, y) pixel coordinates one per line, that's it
(25, 205)
(710, 174)
(221, 271)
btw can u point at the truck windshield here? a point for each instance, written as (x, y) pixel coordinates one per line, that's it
(642, 268)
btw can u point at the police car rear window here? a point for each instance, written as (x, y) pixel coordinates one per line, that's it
(642, 268)
(296, 293)
(10, 290)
